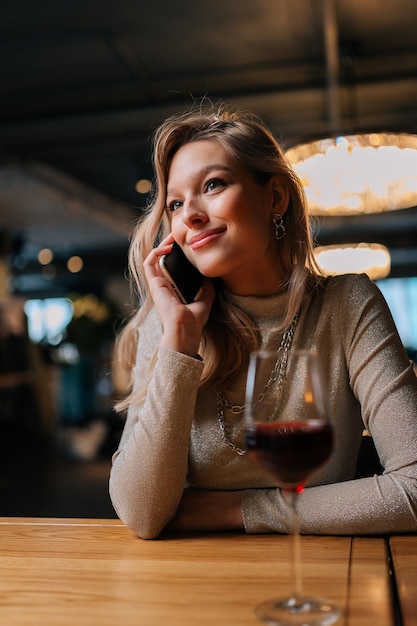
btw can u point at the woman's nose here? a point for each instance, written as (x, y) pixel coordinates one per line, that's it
(193, 213)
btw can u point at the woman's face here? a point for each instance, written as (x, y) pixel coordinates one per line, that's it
(222, 218)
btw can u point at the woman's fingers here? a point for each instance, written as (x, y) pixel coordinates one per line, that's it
(152, 260)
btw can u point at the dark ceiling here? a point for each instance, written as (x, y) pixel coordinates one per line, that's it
(84, 84)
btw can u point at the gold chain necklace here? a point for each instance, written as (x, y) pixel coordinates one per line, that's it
(278, 374)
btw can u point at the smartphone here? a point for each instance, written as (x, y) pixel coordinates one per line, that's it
(184, 277)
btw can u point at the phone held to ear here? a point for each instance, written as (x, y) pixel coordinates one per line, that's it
(184, 277)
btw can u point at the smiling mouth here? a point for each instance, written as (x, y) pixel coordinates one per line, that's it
(204, 238)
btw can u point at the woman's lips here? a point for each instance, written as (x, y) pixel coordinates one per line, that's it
(204, 238)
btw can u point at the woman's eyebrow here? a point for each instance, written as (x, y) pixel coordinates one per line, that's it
(207, 169)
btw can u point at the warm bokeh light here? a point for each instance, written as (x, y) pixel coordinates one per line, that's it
(363, 258)
(367, 173)
(45, 256)
(75, 264)
(90, 306)
(143, 186)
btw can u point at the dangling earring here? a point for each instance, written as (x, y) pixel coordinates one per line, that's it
(279, 226)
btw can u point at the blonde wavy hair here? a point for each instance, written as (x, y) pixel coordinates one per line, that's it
(229, 335)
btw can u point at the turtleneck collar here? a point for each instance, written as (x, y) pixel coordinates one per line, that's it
(261, 307)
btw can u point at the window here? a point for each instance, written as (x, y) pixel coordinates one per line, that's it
(48, 319)
(401, 296)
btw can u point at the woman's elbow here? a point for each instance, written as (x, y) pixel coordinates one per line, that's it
(142, 521)
(142, 528)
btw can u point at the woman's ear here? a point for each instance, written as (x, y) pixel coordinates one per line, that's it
(280, 195)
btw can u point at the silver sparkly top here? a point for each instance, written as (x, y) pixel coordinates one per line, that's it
(174, 439)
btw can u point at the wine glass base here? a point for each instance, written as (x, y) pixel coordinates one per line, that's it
(297, 611)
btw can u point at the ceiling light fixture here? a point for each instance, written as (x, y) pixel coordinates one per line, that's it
(367, 173)
(348, 174)
(364, 258)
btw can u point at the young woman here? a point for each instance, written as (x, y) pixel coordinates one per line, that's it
(226, 195)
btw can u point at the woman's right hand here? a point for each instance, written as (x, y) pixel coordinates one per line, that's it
(182, 323)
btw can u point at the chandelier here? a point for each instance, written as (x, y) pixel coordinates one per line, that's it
(349, 174)
(372, 259)
(353, 174)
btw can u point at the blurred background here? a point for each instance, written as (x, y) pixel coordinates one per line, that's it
(83, 84)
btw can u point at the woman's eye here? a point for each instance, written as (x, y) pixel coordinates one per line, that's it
(214, 183)
(174, 205)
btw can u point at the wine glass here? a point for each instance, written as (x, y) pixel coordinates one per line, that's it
(288, 434)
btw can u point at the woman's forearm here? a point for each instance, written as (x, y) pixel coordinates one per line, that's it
(208, 510)
(149, 469)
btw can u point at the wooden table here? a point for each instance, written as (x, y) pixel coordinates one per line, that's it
(404, 561)
(97, 573)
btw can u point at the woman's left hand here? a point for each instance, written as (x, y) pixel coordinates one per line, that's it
(208, 510)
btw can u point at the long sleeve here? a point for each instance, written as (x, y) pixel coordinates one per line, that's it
(150, 466)
(365, 354)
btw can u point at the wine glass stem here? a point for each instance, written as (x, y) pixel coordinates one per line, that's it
(296, 544)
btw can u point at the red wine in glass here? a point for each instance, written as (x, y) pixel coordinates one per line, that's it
(290, 451)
